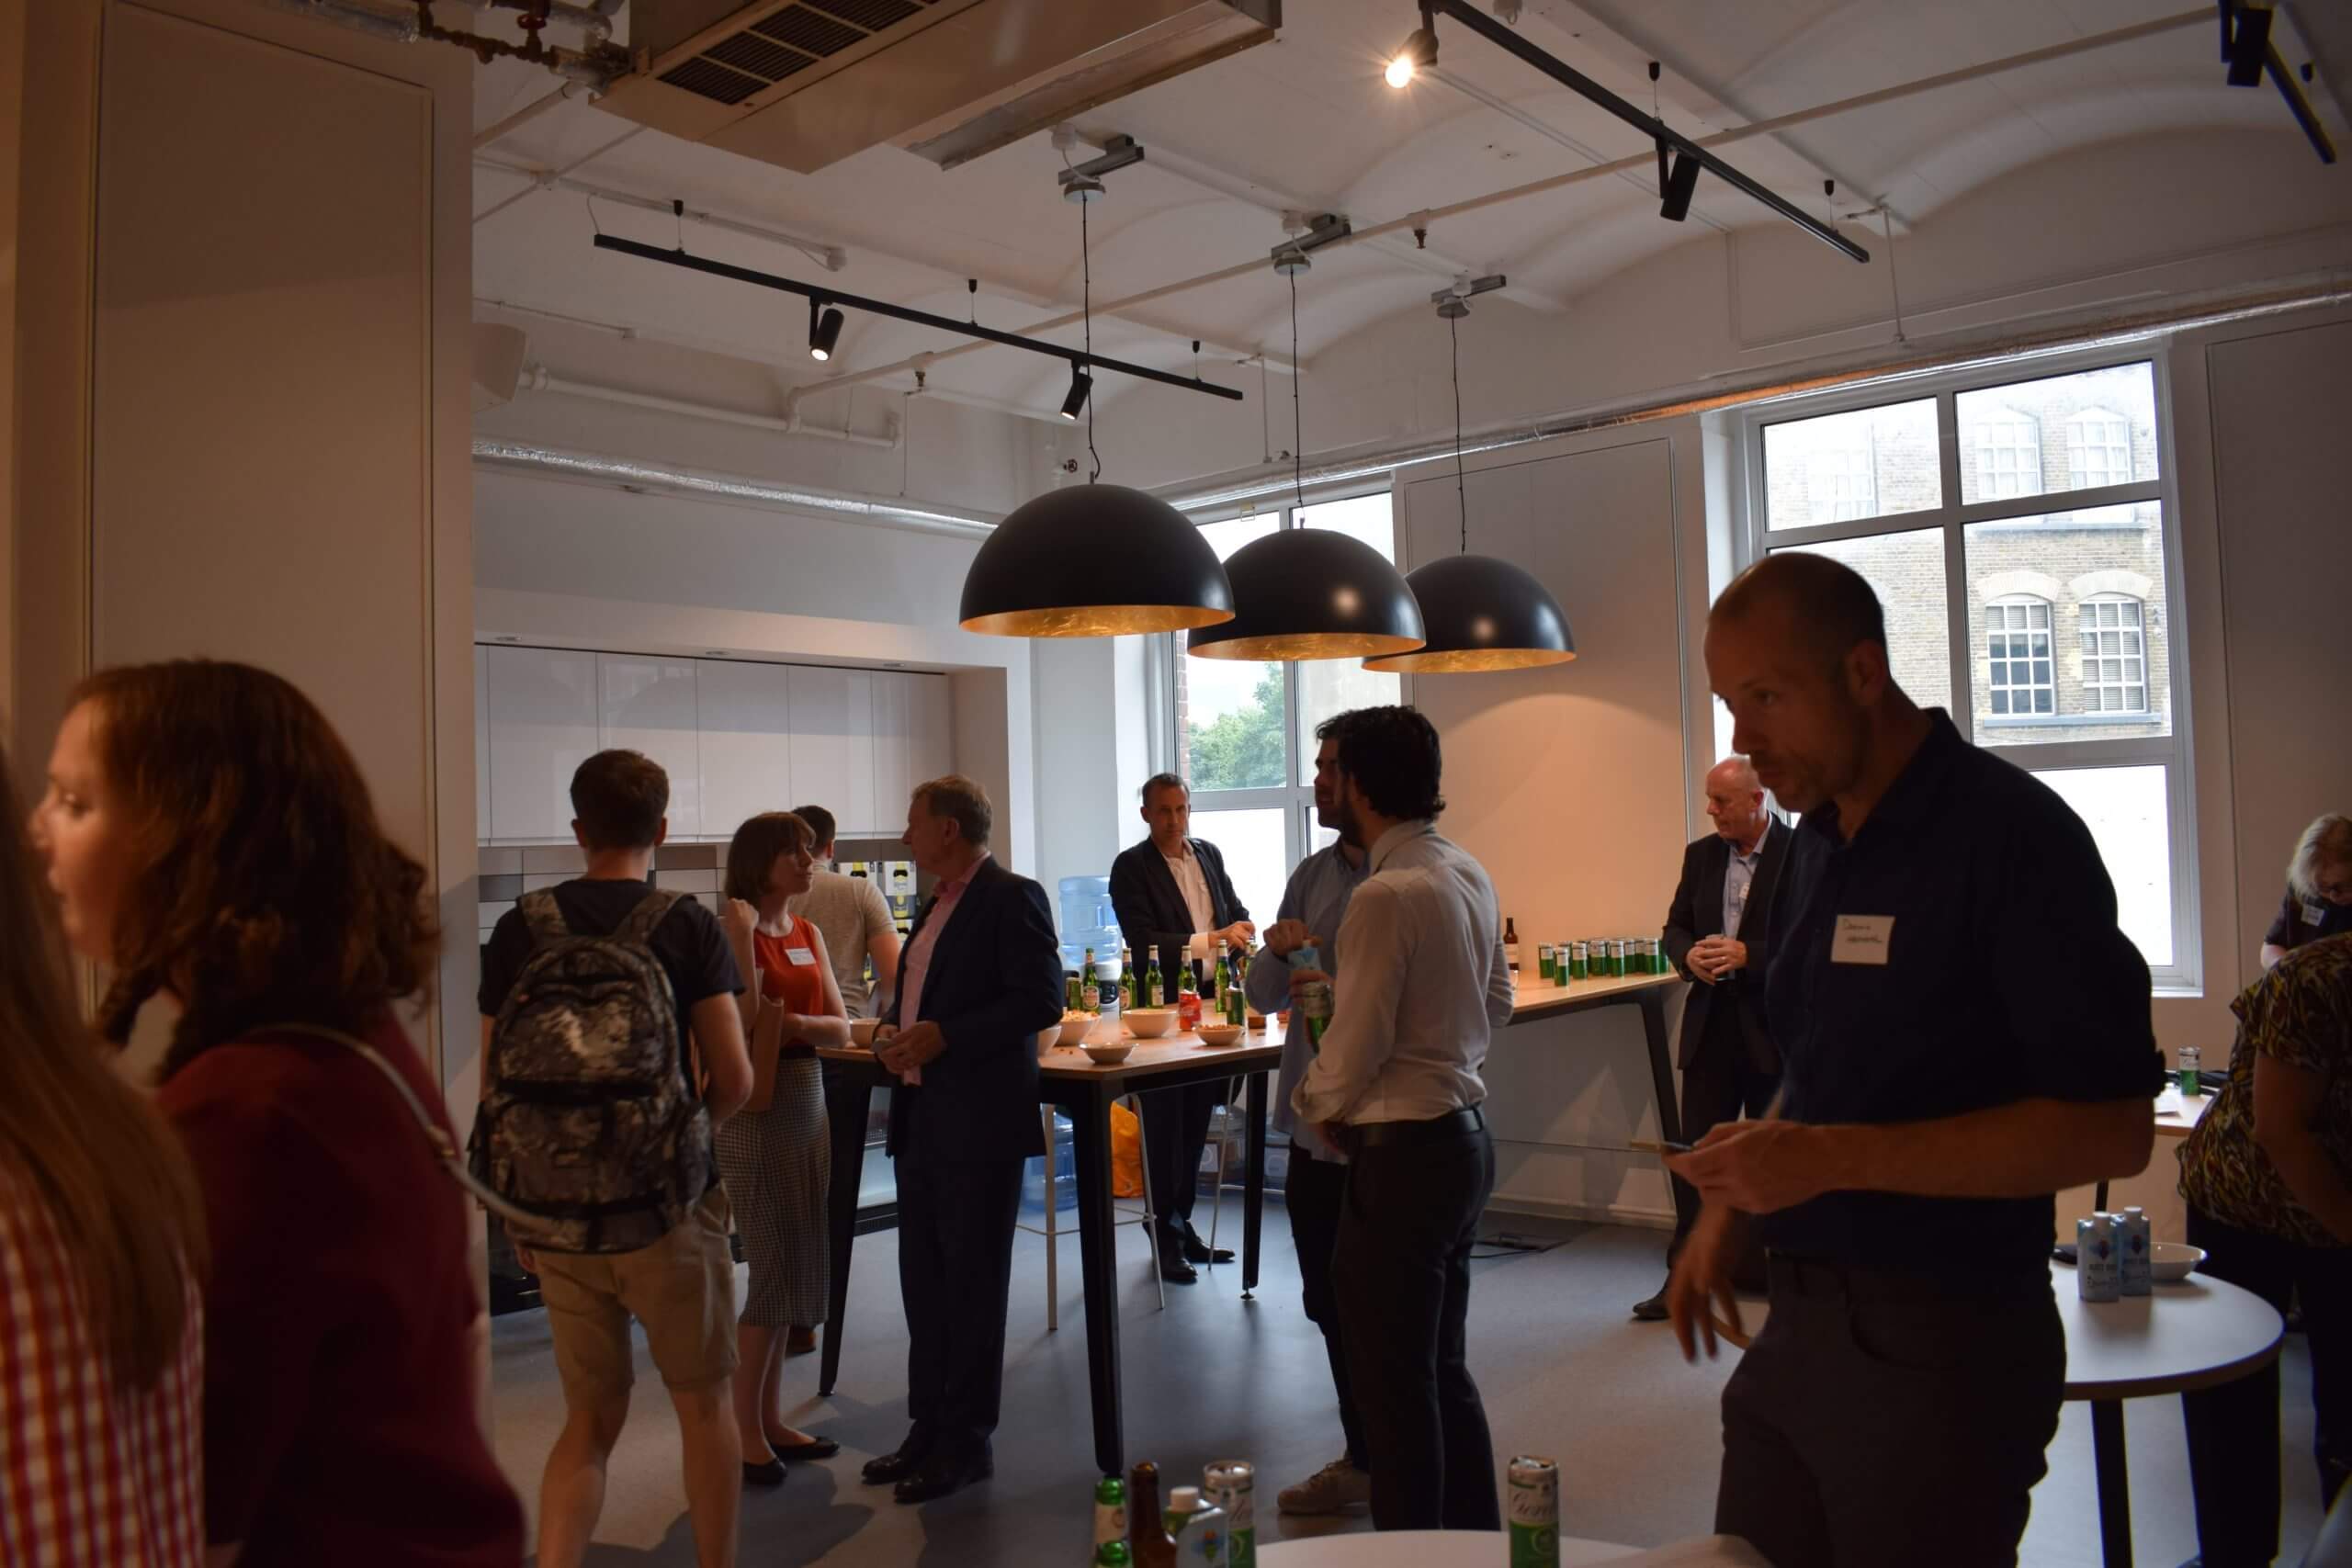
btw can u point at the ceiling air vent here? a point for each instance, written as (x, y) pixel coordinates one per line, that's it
(804, 83)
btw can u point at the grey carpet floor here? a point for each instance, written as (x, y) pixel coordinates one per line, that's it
(1562, 1370)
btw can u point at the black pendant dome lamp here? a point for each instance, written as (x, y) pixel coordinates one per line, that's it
(1093, 560)
(1311, 592)
(1481, 613)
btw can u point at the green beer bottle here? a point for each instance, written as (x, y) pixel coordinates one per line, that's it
(1151, 994)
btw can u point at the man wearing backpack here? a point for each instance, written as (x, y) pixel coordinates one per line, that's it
(600, 1000)
(977, 980)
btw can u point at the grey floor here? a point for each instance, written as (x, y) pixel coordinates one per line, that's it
(1562, 1370)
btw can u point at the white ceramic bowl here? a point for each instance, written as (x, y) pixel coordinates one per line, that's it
(1220, 1034)
(1107, 1054)
(2172, 1260)
(861, 1032)
(1148, 1024)
(1074, 1028)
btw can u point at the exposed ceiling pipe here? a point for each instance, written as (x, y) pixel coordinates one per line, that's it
(702, 484)
(829, 256)
(525, 115)
(2001, 342)
(539, 378)
(1285, 204)
(1645, 159)
(593, 23)
(547, 179)
(355, 16)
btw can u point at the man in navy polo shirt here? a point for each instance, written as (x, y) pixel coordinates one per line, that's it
(1965, 1034)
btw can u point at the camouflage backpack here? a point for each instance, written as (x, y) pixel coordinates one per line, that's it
(587, 1123)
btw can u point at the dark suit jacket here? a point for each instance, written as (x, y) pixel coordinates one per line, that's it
(995, 980)
(1152, 908)
(1783, 876)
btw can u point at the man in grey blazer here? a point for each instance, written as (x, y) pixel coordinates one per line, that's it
(1736, 883)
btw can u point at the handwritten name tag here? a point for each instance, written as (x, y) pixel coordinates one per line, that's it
(803, 957)
(1862, 939)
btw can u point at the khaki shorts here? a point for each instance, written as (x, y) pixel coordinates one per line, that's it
(681, 1289)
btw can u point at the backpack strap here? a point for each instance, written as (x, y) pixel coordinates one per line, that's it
(638, 927)
(540, 913)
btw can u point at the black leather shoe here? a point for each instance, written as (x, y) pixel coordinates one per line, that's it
(1172, 1267)
(941, 1474)
(769, 1474)
(814, 1447)
(1652, 1310)
(896, 1466)
(1198, 1251)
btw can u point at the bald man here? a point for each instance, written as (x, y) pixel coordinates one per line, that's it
(1736, 882)
(1963, 1032)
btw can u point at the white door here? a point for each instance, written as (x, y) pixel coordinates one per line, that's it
(542, 726)
(746, 722)
(647, 704)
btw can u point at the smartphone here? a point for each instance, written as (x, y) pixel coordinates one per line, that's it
(1670, 1146)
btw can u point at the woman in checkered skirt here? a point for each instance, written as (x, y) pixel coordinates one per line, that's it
(775, 1154)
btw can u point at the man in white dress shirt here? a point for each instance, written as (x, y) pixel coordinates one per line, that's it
(1396, 1084)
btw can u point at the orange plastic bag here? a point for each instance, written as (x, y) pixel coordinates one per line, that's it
(1127, 1154)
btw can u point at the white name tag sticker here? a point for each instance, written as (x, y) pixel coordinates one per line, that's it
(801, 955)
(1862, 939)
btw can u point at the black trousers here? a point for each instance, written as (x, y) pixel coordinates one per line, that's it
(2234, 1455)
(955, 1222)
(1314, 1191)
(1864, 1428)
(1720, 1084)
(1175, 1131)
(1402, 1271)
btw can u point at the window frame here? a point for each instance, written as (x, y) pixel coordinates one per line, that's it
(1295, 794)
(1751, 538)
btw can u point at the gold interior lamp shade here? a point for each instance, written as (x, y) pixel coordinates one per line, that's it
(1094, 560)
(1312, 593)
(1482, 613)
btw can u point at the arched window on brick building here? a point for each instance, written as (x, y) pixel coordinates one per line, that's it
(2009, 456)
(2017, 633)
(2115, 654)
(2098, 449)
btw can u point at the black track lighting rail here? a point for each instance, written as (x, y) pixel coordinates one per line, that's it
(1667, 139)
(1078, 359)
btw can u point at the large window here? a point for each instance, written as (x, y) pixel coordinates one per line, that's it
(1243, 735)
(2039, 624)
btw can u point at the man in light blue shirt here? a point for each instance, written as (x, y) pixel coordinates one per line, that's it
(1317, 1180)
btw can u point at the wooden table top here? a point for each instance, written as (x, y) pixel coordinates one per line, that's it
(1545, 1001)
(1256, 1051)
(2191, 1334)
(2176, 1115)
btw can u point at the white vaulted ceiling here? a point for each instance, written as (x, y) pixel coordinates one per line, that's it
(1307, 120)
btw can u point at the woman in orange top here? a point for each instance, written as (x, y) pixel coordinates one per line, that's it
(775, 1155)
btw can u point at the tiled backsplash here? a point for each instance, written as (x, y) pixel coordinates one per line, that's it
(506, 871)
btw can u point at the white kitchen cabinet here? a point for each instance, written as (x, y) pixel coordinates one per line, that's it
(893, 747)
(746, 721)
(857, 792)
(822, 741)
(543, 725)
(932, 751)
(482, 743)
(647, 704)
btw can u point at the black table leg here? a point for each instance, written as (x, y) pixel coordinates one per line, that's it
(1098, 1251)
(1253, 1190)
(2114, 1482)
(850, 1100)
(1652, 1001)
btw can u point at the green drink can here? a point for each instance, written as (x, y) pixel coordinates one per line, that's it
(1579, 960)
(1547, 965)
(1616, 959)
(1534, 1510)
(1649, 957)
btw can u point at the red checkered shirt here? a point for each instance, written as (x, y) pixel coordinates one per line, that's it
(91, 1472)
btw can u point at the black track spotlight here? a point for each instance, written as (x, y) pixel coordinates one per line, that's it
(1416, 54)
(824, 331)
(1082, 385)
(1676, 183)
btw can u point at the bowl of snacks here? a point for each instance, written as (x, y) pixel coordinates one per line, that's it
(1108, 1055)
(1220, 1034)
(861, 1032)
(2172, 1260)
(1148, 1024)
(1074, 1027)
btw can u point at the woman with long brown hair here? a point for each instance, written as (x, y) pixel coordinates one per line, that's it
(210, 842)
(101, 1238)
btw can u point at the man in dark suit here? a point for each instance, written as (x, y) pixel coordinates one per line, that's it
(978, 978)
(1735, 882)
(1170, 892)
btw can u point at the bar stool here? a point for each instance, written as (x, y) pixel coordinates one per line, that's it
(1053, 1232)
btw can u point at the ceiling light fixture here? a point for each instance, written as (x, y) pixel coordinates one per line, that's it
(1307, 233)
(1302, 592)
(1416, 54)
(1481, 613)
(1092, 560)
(1576, 81)
(824, 330)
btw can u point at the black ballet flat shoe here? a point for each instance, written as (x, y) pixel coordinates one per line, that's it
(772, 1474)
(814, 1447)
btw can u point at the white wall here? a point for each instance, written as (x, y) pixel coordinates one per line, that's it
(1092, 754)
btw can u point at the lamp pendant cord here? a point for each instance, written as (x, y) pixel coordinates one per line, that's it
(1298, 429)
(1086, 308)
(1461, 486)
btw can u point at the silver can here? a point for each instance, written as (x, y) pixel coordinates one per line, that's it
(1533, 1512)
(2136, 1246)
(2098, 1275)
(1232, 1484)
